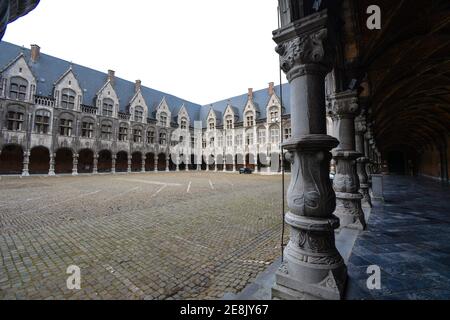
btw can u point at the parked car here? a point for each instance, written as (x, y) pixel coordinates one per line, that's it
(245, 171)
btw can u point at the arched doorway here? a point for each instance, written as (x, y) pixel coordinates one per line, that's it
(182, 162)
(11, 159)
(229, 162)
(239, 158)
(122, 161)
(64, 161)
(193, 162)
(39, 160)
(250, 161)
(172, 164)
(219, 161)
(136, 162)
(86, 161)
(396, 162)
(150, 162)
(104, 161)
(211, 162)
(161, 162)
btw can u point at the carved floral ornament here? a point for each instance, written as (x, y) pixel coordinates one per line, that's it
(306, 49)
(344, 104)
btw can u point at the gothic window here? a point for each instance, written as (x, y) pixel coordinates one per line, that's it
(42, 121)
(262, 136)
(220, 141)
(250, 119)
(87, 129)
(123, 132)
(108, 107)
(151, 136)
(204, 143)
(274, 135)
(18, 88)
(211, 142)
(68, 99)
(65, 127)
(163, 119)
(138, 114)
(162, 138)
(249, 138)
(15, 120)
(106, 131)
(137, 135)
(238, 140)
(229, 141)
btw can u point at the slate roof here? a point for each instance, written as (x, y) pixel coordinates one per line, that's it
(49, 69)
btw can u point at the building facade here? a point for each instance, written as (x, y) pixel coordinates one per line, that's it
(61, 118)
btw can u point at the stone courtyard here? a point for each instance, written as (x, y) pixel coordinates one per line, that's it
(137, 236)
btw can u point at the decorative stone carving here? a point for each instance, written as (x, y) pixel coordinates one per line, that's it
(313, 268)
(360, 129)
(344, 106)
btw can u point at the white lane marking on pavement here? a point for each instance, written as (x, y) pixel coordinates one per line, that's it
(151, 182)
(189, 187)
(211, 184)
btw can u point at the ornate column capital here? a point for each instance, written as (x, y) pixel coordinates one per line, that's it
(360, 125)
(344, 104)
(305, 47)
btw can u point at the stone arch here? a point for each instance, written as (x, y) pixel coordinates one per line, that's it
(250, 161)
(122, 161)
(85, 161)
(229, 162)
(104, 161)
(162, 162)
(239, 160)
(39, 160)
(11, 159)
(219, 161)
(211, 162)
(63, 161)
(136, 161)
(150, 161)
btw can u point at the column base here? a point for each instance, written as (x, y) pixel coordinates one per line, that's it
(366, 201)
(332, 287)
(51, 173)
(25, 173)
(349, 211)
(74, 174)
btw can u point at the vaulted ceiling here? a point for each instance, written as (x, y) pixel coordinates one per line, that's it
(407, 67)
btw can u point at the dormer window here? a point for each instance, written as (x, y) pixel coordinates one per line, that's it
(108, 107)
(250, 119)
(229, 122)
(18, 88)
(212, 124)
(274, 115)
(183, 124)
(138, 114)
(68, 99)
(163, 119)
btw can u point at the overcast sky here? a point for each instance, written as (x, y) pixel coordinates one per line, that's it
(199, 50)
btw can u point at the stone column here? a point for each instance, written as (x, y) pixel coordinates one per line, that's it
(113, 164)
(95, 168)
(313, 267)
(130, 158)
(186, 162)
(75, 164)
(156, 163)
(167, 164)
(51, 170)
(215, 164)
(143, 164)
(346, 182)
(26, 162)
(234, 163)
(224, 164)
(360, 130)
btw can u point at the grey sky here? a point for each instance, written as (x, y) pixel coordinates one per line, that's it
(199, 50)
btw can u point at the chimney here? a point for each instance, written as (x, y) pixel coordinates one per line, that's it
(137, 86)
(271, 88)
(250, 93)
(111, 76)
(35, 53)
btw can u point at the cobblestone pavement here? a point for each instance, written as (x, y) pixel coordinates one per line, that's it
(137, 236)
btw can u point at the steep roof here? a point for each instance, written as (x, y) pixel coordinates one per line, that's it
(48, 70)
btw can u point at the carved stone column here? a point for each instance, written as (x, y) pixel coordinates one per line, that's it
(256, 161)
(26, 163)
(130, 159)
(51, 170)
(113, 163)
(144, 158)
(156, 163)
(313, 267)
(75, 164)
(95, 168)
(360, 130)
(167, 164)
(224, 164)
(346, 182)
